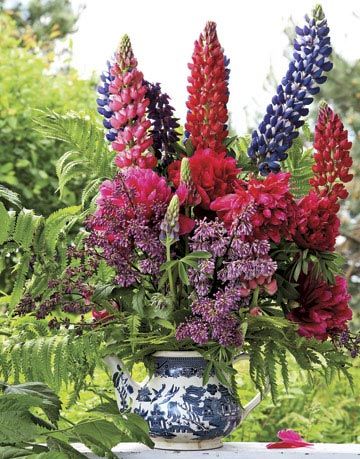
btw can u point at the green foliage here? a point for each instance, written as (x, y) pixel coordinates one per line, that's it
(35, 353)
(29, 243)
(47, 20)
(322, 412)
(299, 163)
(27, 160)
(24, 433)
(269, 342)
(89, 160)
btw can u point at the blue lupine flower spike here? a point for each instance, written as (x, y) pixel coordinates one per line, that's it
(103, 102)
(285, 114)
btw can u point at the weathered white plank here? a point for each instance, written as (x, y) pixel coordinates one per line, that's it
(236, 451)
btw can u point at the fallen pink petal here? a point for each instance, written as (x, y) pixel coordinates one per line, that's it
(289, 439)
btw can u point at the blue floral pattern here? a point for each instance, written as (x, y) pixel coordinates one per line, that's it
(175, 403)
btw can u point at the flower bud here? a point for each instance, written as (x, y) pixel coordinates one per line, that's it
(170, 225)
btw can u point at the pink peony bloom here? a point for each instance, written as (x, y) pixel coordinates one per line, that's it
(289, 439)
(275, 207)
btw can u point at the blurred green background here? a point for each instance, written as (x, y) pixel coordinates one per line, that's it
(34, 76)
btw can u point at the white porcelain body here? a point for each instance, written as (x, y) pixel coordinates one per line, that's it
(182, 413)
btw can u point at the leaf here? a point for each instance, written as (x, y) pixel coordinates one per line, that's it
(22, 269)
(299, 162)
(183, 274)
(10, 196)
(55, 444)
(165, 324)
(16, 424)
(198, 255)
(5, 223)
(51, 403)
(26, 225)
(56, 223)
(12, 452)
(99, 435)
(88, 159)
(108, 408)
(50, 455)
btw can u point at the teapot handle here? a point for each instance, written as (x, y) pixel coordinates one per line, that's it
(254, 402)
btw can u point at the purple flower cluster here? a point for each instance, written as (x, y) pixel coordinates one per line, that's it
(350, 341)
(285, 114)
(213, 319)
(163, 122)
(69, 293)
(223, 283)
(126, 226)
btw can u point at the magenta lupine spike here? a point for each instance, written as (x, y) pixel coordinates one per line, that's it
(128, 104)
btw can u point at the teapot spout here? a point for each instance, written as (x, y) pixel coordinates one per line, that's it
(125, 388)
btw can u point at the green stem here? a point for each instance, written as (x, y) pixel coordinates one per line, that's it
(255, 297)
(171, 280)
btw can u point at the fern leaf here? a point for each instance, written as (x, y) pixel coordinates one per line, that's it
(60, 363)
(55, 224)
(5, 223)
(299, 162)
(10, 196)
(21, 272)
(284, 367)
(270, 366)
(26, 225)
(89, 157)
(133, 323)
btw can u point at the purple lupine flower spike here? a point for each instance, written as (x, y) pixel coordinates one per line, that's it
(164, 123)
(285, 114)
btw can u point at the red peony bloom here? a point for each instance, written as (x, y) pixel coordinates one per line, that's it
(275, 207)
(324, 308)
(317, 223)
(332, 157)
(213, 175)
(230, 206)
(208, 93)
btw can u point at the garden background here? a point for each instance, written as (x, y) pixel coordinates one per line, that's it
(37, 72)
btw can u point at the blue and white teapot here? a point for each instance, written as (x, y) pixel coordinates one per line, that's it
(182, 413)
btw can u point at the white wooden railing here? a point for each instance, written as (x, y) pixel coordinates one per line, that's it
(236, 451)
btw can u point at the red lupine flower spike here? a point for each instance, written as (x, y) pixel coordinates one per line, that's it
(208, 93)
(332, 157)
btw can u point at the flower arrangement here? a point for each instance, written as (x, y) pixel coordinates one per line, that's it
(198, 243)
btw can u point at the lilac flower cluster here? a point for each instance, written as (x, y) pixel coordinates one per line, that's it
(126, 226)
(223, 283)
(69, 293)
(350, 341)
(285, 114)
(164, 123)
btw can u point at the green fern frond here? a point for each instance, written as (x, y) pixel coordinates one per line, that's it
(270, 367)
(55, 224)
(10, 196)
(299, 162)
(26, 225)
(22, 268)
(88, 158)
(5, 223)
